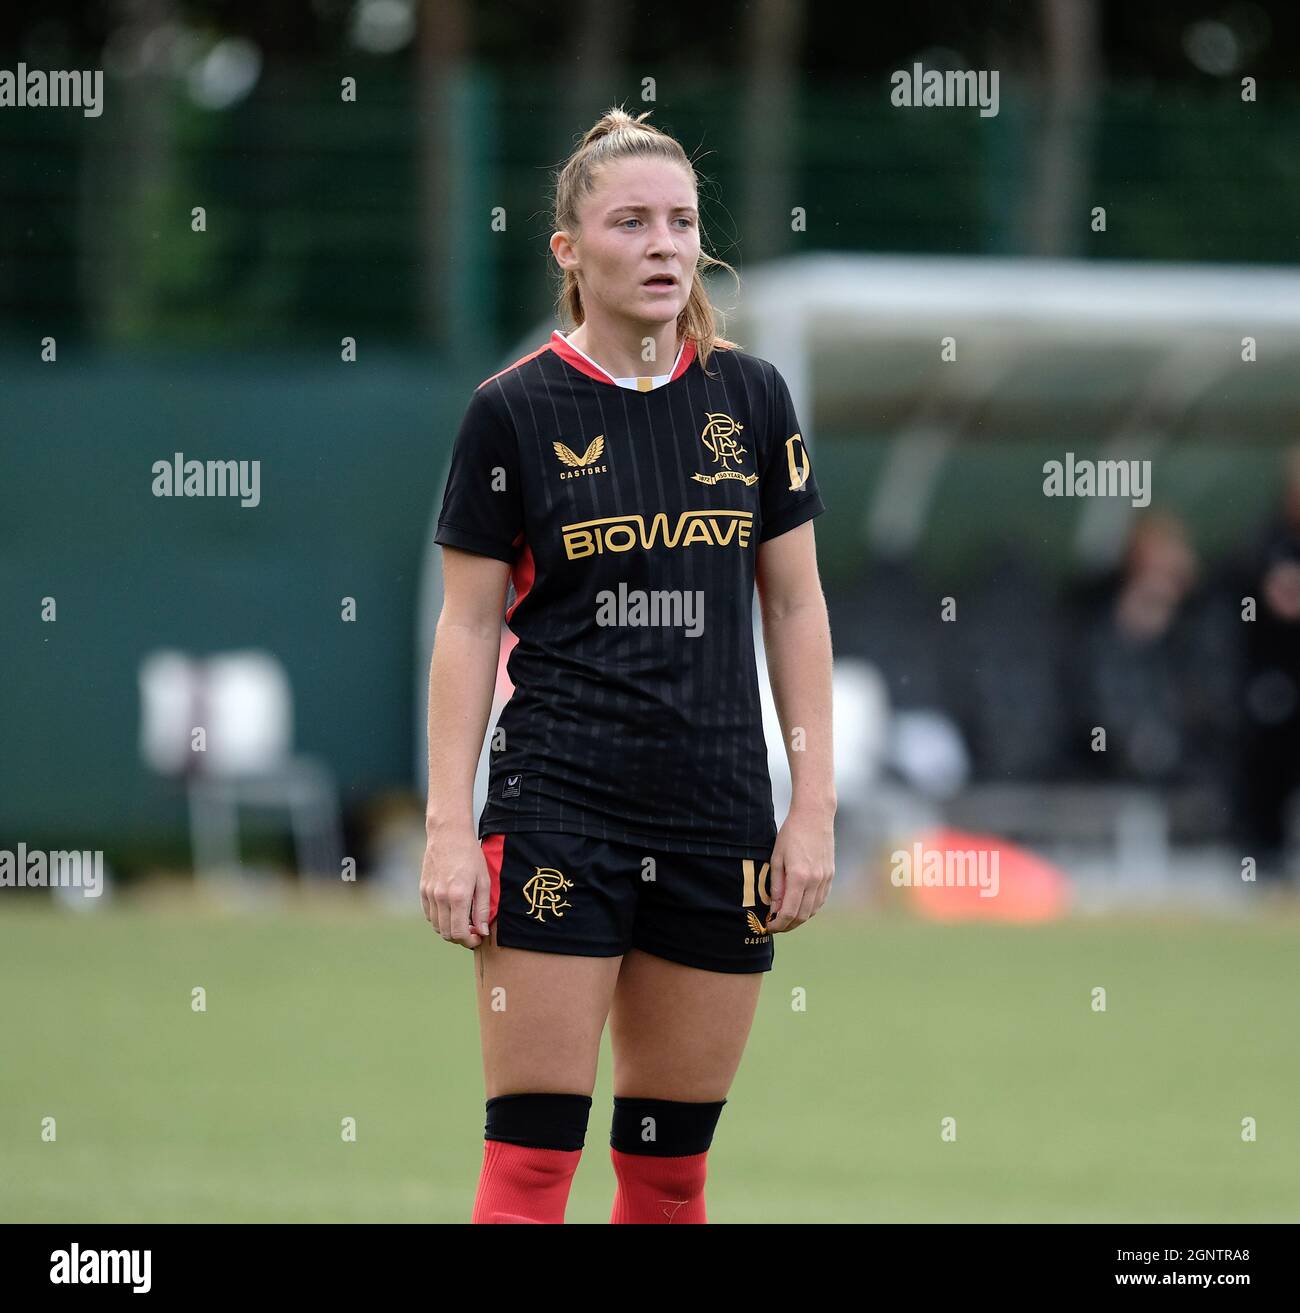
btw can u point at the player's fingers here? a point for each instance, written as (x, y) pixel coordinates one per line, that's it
(783, 912)
(481, 911)
(796, 907)
(471, 939)
(460, 908)
(807, 908)
(823, 891)
(442, 901)
(776, 884)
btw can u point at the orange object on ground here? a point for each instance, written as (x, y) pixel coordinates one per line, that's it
(956, 875)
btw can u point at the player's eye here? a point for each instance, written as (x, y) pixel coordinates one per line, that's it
(681, 218)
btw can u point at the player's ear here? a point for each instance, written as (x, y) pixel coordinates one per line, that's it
(563, 248)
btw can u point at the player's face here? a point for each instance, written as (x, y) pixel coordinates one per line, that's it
(639, 221)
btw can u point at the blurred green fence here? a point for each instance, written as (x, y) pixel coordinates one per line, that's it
(352, 461)
(376, 219)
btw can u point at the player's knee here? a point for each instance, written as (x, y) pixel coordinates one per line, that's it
(538, 1121)
(531, 1147)
(663, 1128)
(659, 1148)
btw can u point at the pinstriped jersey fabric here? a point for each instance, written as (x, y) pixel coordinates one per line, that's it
(631, 522)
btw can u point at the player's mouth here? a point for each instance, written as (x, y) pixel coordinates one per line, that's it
(660, 283)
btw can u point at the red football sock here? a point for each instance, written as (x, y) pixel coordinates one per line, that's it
(662, 1190)
(524, 1185)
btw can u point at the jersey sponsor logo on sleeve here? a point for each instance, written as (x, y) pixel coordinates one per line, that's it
(622, 533)
(578, 466)
(719, 438)
(797, 461)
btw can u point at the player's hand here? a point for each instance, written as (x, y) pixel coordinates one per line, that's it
(803, 865)
(455, 889)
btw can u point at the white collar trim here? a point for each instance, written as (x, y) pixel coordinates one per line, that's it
(633, 382)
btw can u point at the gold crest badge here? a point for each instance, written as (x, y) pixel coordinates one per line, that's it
(544, 892)
(719, 438)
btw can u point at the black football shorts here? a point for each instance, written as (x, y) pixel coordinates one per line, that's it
(566, 893)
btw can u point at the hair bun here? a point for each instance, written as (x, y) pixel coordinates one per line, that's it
(614, 118)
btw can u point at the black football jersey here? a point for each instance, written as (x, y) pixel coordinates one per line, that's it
(631, 521)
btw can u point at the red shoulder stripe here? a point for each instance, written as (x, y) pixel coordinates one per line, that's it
(576, 358)
(523, 360)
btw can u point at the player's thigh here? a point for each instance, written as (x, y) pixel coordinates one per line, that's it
(561, 918)
(541, 1016)
(679, 1032)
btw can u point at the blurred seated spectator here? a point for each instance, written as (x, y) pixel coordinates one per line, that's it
(1269, 763)
(1150, 662)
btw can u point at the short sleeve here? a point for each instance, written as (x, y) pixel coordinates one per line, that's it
(788, 489)
(482, 506)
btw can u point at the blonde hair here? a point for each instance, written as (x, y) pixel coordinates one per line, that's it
(617, 135)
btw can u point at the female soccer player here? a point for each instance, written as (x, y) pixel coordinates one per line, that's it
(635, 479)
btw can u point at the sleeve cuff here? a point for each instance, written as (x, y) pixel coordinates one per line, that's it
(792, 518)
(448, 535)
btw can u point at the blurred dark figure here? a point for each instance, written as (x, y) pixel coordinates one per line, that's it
(1006, 673)
(1152, 664)
(890, 617)
(1269, 764)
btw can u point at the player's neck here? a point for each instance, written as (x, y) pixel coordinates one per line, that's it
(621, 355)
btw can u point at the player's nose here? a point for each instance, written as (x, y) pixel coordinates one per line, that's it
(662, 239)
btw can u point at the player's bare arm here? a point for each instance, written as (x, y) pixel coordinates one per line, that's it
(454, 886)
(796, 634)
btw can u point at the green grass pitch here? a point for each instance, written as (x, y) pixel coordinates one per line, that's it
(318, 1012)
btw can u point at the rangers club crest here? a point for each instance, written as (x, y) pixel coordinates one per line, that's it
(719, 438)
